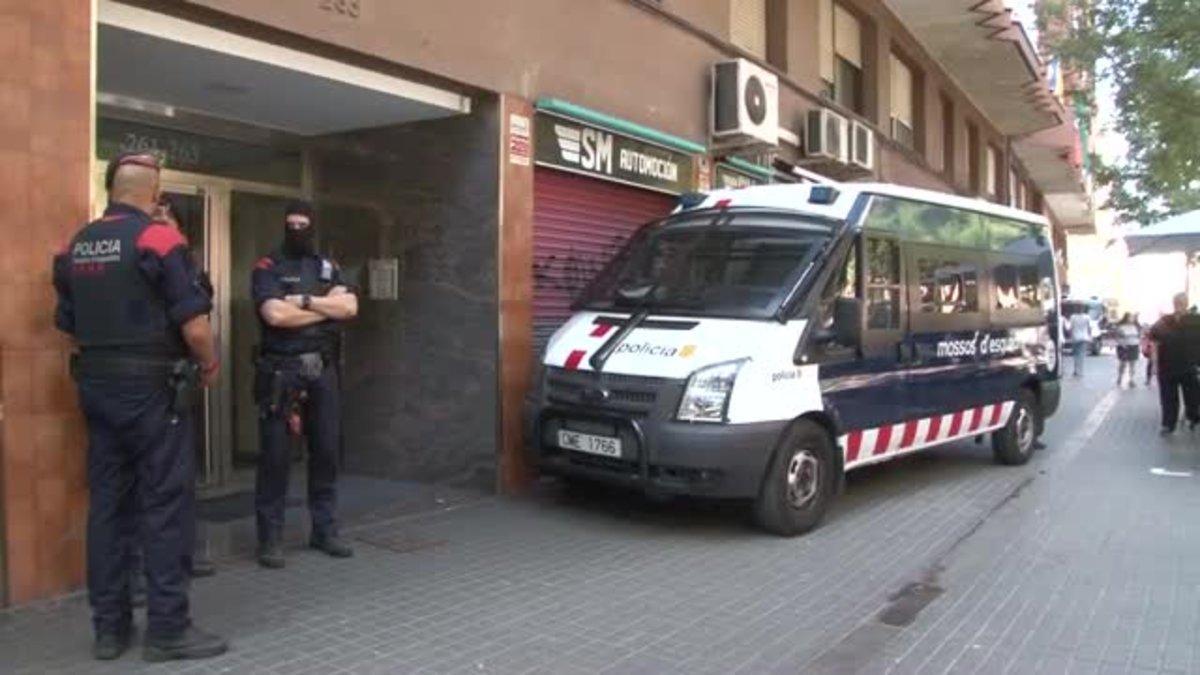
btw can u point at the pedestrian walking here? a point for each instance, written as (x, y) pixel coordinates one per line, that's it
(1148, 352)
(130, 297)
(302, 301)
(1081, 339)
(1129, 337)
(1175, 337)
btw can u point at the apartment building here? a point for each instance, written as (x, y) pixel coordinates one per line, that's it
(473, 164)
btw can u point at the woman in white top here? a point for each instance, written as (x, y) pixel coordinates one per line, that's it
(1129, 338)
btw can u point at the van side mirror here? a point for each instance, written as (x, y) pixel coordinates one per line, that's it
(847, 321)
(845, 329)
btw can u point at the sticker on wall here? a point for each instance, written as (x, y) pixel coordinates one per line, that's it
(519, 145)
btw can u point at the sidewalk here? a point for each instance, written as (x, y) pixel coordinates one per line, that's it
(1082, 561)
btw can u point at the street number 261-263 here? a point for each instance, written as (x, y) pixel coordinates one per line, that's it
(350, 8)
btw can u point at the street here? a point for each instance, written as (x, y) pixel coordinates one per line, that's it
(1085, 560)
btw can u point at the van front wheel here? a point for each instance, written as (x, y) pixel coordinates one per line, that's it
(1013, 444)
(799, 482)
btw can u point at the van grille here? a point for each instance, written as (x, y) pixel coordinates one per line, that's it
(604, 391)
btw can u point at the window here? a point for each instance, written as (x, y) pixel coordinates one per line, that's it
(948, 137)
(840, 54)
(844, 284)
(1017, 286)
(992, 166)
(946, 284)
(974, 179)
(903, 103)
(883, 284)
(748, 26)
(924, 222)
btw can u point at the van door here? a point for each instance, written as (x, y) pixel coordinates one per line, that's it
(865, 386)
(947, 289)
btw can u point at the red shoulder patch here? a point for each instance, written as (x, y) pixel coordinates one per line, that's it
(264, 263)
(160, 239)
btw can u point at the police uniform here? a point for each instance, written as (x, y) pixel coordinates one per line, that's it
(296, 373)
(125, 285)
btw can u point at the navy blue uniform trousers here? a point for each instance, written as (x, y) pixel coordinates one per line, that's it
(322, 426)
(141, 473)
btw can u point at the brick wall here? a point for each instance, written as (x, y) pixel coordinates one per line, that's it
(45, 143)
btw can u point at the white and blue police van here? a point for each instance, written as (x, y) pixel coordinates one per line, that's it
(758, 343)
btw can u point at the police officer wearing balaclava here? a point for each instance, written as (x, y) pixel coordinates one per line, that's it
(132, 300)
(302, 301)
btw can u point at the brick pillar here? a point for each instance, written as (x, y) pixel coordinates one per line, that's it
(45, 152)
(516, 289)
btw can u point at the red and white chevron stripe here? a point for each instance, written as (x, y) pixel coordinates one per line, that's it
(868, 446)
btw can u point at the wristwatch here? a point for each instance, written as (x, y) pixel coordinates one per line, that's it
(306, 301)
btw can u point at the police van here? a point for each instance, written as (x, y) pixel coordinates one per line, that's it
(760, 342)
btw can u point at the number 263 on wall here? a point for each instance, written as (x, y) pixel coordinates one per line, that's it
(350, 8)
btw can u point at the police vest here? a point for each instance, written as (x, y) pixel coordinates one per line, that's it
(116, 307)
(310, 275)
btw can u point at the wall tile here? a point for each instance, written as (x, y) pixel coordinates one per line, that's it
(16, 41)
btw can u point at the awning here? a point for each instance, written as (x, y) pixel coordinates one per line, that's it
(991, 58)
(160, 63)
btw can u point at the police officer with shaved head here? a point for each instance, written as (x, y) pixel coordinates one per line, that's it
(130, 296)
(302, 302)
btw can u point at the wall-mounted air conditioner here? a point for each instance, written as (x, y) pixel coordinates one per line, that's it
(826, 136)
(744, 104)
(862, 146)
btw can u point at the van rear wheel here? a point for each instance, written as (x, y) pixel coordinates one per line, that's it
(799, 483)
(1013, 444)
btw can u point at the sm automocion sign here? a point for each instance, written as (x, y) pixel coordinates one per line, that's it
(574, 146)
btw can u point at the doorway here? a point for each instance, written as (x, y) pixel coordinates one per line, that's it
(229, 224)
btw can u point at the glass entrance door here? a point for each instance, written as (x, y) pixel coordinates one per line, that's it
(191, 205)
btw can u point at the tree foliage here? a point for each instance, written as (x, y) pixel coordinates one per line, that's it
(1149, 51)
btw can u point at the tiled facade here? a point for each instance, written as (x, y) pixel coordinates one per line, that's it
(45, 145)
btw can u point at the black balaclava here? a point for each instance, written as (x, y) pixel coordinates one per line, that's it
(299, 243)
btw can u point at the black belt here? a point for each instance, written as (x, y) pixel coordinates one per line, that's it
(97, 366)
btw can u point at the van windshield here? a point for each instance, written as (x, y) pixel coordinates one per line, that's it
(739, 264)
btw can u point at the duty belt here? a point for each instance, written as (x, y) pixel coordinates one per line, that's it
(114, 366)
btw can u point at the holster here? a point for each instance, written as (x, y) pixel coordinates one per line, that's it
(185, 386)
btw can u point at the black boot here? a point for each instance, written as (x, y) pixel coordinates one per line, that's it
(192, 643)
(270, 555)
(109, 646)
(332, 545)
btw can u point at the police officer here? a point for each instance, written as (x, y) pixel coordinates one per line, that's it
(131, 298)
(302, 301)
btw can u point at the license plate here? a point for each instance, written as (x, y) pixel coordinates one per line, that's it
(589, 443)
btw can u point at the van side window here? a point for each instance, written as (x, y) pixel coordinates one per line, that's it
(946, 285)
(844, 284)
(1017, 285)
(883, 285)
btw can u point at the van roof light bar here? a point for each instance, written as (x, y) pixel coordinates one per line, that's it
(823, 194)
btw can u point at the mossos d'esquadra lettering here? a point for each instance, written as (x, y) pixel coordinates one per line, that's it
(978, 345)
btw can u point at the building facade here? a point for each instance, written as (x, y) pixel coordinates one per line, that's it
(473, 164)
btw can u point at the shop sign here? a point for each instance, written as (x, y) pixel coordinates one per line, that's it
(519, 141)
(581, 148)
(728, 177)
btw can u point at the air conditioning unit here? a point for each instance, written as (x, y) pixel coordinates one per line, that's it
(745, 104)
(862, 146)
(826, 136)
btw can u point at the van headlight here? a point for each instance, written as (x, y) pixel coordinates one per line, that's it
(706, 397)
